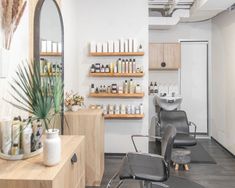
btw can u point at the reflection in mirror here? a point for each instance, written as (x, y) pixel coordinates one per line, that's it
(48, 44)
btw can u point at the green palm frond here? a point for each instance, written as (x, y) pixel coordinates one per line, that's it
(42, 98)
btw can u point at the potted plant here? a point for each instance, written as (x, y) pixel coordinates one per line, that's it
(42, 99)
(73, 101)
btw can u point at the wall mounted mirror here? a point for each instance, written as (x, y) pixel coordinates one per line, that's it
(49, 43)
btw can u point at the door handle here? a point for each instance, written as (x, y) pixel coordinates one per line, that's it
(163, 64)
(74, 158)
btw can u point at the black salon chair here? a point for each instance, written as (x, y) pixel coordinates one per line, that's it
(179, 120)
(148, 168)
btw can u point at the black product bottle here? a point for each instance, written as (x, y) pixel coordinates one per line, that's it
(155, 88)
(151, 88)
(92, 68)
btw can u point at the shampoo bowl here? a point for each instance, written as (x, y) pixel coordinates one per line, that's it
(167, 103)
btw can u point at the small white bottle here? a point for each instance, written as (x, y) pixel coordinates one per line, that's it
(123, 66)
(141, 109)
(134, 66)
(122, 47)
(127, 66)
(126, 46)
(119, 65)
(138, 88)
(131, 86)
(125, 87)
(115, 68)
(130, 66)
(130, 45)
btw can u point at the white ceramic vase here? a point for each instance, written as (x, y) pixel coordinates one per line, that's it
(52, 148)
(75, 108)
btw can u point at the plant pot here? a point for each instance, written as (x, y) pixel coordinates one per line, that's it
(75, 108)
(52, 148)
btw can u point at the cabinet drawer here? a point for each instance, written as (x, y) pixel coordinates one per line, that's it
(73, 173)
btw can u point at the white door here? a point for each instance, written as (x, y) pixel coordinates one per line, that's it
(194, 82)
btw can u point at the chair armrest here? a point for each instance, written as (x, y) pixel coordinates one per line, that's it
(143, 136)
(195, 128)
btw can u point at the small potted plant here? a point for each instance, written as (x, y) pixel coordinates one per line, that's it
(73, 101)
(42, 99)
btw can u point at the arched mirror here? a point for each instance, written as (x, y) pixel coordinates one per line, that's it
(49, 43)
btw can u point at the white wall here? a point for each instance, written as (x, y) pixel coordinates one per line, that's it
(223, 76)
(104, 20)
(19, 52)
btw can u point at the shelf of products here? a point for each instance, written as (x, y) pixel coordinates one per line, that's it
(117, 95)
(124, 116)
(117, 53)
(51, 54)
(103, 74)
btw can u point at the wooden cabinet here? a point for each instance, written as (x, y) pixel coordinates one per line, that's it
(164, 56)
(89, 123)
(33, 173)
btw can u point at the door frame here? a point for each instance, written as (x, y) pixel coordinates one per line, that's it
(207, 81)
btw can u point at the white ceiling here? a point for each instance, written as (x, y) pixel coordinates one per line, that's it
(167, 13)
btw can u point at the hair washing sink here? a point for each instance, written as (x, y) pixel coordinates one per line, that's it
(167, 102)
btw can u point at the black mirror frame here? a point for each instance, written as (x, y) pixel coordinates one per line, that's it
(36, 46)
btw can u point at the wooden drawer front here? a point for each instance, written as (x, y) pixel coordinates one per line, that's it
(72, 174)
(156, 55)
(172, 55)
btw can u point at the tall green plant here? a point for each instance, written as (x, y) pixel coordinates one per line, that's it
(42, 98)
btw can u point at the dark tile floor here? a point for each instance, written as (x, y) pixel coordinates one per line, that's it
(220, 175)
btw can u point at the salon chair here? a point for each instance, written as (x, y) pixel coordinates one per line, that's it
(179, 120)
(149, 169)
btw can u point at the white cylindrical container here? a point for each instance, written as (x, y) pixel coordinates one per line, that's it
(123, 109)
(141, 109)
(27, 133)
(122, 45)
(44, 46)
(49, 46)
(93, 46)
(132, 109)
(105, 47)
(116, 46)
(110, 46)
(135, 45)
(130, 45)
(99, 47)
(6, 130)
(52, 148)
(54, 47)
(126, 48)
(59, 47)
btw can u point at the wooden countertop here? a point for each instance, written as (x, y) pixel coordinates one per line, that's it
(85, 112)
(33, 168)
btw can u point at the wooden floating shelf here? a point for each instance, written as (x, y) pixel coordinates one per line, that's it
(51, 74)
(117, 53)
(116, 74)
(51, 54)
(117, 95)
(124, 116)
